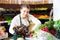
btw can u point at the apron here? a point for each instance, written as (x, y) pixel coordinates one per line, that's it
(31, 24)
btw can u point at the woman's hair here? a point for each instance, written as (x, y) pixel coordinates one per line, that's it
(24, 5)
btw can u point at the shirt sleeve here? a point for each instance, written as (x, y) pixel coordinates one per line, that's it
(35, 21)
(13, 24)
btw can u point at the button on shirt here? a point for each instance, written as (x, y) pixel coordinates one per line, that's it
(16, 22)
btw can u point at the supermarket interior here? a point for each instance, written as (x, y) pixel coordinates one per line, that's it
(29, 20)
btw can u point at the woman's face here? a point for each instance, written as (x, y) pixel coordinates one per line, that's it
(24, 11)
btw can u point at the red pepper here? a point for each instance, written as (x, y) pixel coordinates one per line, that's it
(44, 29)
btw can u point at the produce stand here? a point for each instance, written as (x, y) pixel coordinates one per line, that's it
(41, 35)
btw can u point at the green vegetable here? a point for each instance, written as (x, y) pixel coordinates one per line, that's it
(57, 25)
(8, 18)
(57, 28)
(49, 24)
(40, 27)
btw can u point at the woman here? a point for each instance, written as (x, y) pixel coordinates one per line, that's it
(25, 19)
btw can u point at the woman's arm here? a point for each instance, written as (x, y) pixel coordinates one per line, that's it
(35, 21)
(13, 24)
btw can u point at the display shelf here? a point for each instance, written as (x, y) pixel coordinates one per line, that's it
(40, 11)
(35, 9)
(17, 6)
(3, 21)
(45, 18)
(9, 14)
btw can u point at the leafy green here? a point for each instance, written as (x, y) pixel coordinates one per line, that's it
(8, 18)
(49, 24)
(57, 25)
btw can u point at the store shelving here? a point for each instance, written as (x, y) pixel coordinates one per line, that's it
(3, 21)
(12, 5)
(42, 12)
(37, 9)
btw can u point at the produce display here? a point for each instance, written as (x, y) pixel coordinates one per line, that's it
(49, 24)
(42, 8)
(57, 28)
(47, 27)
(57, 25)
(40, 16)
(2, 31)
(50, 30)
(45, 31)
(52, 27)
(44, 17)
(8, 18)
(41, 35)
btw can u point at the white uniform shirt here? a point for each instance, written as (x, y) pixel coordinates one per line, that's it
(16, 22)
